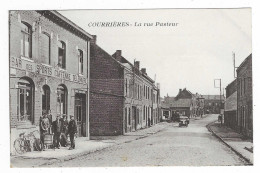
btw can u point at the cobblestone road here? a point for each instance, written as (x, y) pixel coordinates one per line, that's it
(173, 146)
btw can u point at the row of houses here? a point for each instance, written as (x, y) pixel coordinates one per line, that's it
(192, 105)
(57, 67)
(238, 112)
(128, 98)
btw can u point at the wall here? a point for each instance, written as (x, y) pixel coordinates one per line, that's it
(106, 93)
(244, 97)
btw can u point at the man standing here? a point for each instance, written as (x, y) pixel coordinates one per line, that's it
(64, 131)
(50, 119)
(72, 130)
(44, 126)
(56, 129)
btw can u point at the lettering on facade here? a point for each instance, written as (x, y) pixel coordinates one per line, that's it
(16, 62)
(46, 70)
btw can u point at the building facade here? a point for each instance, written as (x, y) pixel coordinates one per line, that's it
(230, 108)
(213, 104)
(185, 103)
(107, 93)
(244, 97)
(45, 48)
(121, 98)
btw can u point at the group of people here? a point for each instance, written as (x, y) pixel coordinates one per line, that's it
(60, 128)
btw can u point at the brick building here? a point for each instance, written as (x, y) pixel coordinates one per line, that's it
(121, 94)
(230, 108)
(106, 93)
(244, 97)
(49, 63)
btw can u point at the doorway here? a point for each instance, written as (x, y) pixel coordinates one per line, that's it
(80, 113)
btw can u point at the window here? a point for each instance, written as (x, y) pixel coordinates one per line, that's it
(80, 56)
(46, 98)
(144, 113)
(129, 116)
(62, 100)
(244, 85)
(25, 100)
(61, 54)
(144, 90)
(46, 48)
(126, 87)
(26, 40)
(148, 91)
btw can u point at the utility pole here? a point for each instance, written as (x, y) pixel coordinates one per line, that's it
(234, 63)
(221, 117)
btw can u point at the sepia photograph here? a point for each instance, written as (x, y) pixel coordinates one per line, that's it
(130, 87)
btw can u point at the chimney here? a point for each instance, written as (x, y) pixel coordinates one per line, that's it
(143, 70)
(118, 55)
(180, 90)
(94, 39)
(137, 64)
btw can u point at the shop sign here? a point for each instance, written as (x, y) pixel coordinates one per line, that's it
(45, 70)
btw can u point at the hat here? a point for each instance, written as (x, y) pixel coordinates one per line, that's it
(71, 115)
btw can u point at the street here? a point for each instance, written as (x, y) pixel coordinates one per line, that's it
(174, 146)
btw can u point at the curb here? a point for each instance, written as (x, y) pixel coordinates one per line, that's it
(222, 140)
(71, 157)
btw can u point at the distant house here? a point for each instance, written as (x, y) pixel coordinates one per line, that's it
(213, 103)
(181, 107)
(187, 103)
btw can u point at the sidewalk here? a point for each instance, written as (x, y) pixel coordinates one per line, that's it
(234, 140)
(83, 147)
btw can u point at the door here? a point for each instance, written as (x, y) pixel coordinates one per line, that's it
(80, 113)
(134, 123)
(125, 120)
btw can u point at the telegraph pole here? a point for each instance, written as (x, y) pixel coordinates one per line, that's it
(221, 120)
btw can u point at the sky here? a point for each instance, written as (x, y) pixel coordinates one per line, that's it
(190, 55)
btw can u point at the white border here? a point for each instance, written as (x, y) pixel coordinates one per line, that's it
(122, 4)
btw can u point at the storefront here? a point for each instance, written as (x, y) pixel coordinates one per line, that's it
(36, 92)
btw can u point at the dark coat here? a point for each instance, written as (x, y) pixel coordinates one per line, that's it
(72, 127)
(57, 128)
(64, 128)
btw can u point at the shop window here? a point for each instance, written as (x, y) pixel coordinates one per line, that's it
(61, 54)
(46, 98)
(80, 57)
(25, 100)
(62, 100)
(46, 48)
(26, 40)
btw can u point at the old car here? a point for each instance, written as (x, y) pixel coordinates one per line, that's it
(184, 121)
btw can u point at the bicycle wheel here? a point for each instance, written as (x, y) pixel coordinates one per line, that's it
(38, 145)
(19, 146)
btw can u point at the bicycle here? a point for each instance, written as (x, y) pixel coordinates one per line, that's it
(26, 143)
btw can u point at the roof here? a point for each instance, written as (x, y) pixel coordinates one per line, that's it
(213, 97)
(54, 15)
(181, 103)
(245, 60)
(231, 102)
(169, 99)
(165, 105)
